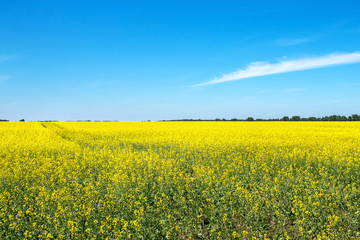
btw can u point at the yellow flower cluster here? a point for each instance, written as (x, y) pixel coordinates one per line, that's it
(180, 180)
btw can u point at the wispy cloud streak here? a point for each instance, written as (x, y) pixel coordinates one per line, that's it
(291, 42)
(292, 90)
(5, 58)
(4, 78)
(256, 69)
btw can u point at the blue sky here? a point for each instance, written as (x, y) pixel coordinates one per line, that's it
(152, 60)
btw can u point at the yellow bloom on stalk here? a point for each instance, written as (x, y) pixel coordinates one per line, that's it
(152, 180)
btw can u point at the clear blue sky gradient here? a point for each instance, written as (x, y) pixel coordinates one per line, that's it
(139, 60)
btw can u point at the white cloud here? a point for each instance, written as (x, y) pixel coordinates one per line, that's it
(256, 69)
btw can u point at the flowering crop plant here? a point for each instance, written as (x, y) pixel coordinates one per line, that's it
(180, 180)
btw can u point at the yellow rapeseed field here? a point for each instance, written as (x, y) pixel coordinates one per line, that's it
(180, 180)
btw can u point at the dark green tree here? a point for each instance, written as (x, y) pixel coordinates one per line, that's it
(312, 119)
(295, 118)
(355, 117)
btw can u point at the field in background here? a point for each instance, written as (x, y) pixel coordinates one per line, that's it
(180, 180)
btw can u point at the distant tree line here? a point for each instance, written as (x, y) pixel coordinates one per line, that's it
(354, 117)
